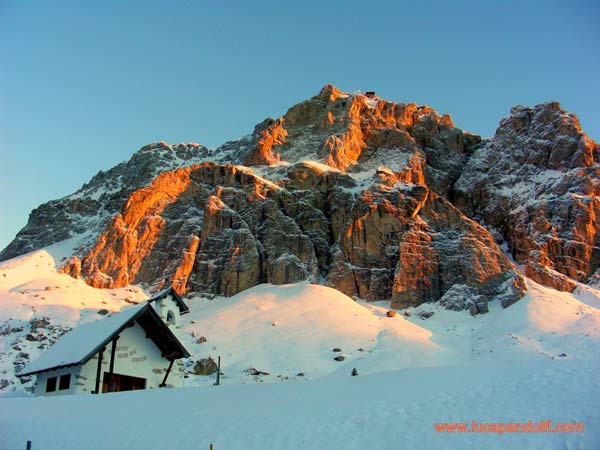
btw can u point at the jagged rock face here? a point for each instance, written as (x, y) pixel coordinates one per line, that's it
(220, 229)
(90, 208)
(411, 245)
(536, 182)
(266, 135)
(348, 190)
(209, 228)
(130, 237)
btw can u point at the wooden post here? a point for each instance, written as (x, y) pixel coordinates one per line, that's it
(112, 364)
(218, 371)
(99, 370)
(164, 381)
(29, 445)
(211, 447)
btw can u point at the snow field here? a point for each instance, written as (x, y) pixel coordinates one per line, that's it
(536, 360)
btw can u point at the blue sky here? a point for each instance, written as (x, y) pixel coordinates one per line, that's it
(85, 84)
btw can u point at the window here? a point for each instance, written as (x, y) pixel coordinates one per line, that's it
(65, 382)
(170, 317)
(51, 384)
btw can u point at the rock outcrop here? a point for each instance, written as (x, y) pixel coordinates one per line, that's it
(411, 245)
(130, 237)
(205, 366)
(266, 136)
(536, 182)
(209, 228)
(86, 212)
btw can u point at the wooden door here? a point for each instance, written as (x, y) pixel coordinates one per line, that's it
(123, 383)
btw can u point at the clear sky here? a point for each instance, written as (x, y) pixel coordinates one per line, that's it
(83, 85)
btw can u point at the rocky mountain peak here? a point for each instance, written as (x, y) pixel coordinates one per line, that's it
(536, 182)
(354, 132)
(380, 200)
(360, 203)
(332, 93)
(548, 136)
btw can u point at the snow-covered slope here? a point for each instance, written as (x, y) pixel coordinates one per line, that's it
(393, 410)
(291, 329)
(535, 360)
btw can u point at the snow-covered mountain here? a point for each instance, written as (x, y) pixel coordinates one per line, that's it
(367, 196)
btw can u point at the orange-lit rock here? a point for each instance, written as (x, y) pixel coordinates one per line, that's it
(221, 229)
(130, 237)
(159, 235)
(549, 277)
(536, 182)
(332, 92)
(183, 271)
(72, 267)
(411, 245)
(346, 130)
(264, 151)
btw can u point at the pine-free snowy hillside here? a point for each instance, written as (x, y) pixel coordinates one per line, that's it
(291, 329)
(535, 360)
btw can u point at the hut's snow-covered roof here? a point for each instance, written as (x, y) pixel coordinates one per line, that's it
(183, 308)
